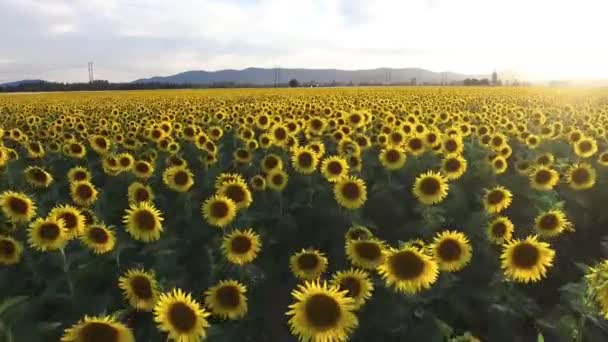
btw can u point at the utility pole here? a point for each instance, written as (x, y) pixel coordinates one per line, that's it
(91, 78)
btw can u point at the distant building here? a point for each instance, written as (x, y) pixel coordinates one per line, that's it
(494, 78)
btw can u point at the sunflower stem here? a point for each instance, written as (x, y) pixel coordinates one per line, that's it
(66, 270)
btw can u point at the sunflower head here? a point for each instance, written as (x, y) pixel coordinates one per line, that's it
(392, 158)
(408, 270)
(143, 169)
(140, 288)
(258, 183)
(10, 250)
(138, 192)
(271, 162)
(72, 217)
(238, 192)
(358, 232)
(453, 166)
(38, 177)
(219, 211)
(350, 192)
(497, 199)
(366, 253)
(526, 260)
(551, 223)
(451, 250)
(356, 283)
(581, 176)
(241, 246)
(178, 178)
(585, 147)
(500, 230)
(334, 168)
(304, 160)
(227, 299)
(321, 313)
(431, 188)
(17, 206)
(47, 234)
(79, 174)
(277, 180)
(83, 193)
(143, 221)
(308, 264)
(181, 317)
(100, 328)
(543, 178)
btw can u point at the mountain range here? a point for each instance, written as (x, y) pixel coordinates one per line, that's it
(261, 76)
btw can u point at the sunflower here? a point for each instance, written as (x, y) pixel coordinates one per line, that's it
(271, 162)
(408, 270)
(38, 177)
(83, 193)
(545, 159)
(178, 178)
(452, 250)
(603, 159)
(415, 145)
(47, 234)
(500, 230)
(551, 223)
(99, 238)
(100, 144)
(94, 329)
(143, 169)
(585, 147)
(358, 232)
(140, 288)
(75, 150)
(110, 165)
(242, 156)
(79, 173)
(392, 158)
(304, 160)
(17, 206)
(227, 299)
(138, 192)
(356, 282)
(219, 210)
(334, 168)
(258, 183)
(497, 199)
(277, 180)
(526, 260)
(72, 217)
(452, 144)
(241, 246)
(10, 251)
(308, 264)
(499, 164)
(597, 286)
(225, 177)
(350, 192)
(543, 178)
(581, 176)
(321, 313)
(143, 221)
(181, 317)
(523, 167)
(453, 166)
(366, 253)
(430, 188)
(35, 150)
(238, 192)
(125, 162)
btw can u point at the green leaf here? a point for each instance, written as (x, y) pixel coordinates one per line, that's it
(12, 302)
(540, 338)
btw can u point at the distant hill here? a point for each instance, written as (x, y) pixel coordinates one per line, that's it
(260, 76)
(22, 82)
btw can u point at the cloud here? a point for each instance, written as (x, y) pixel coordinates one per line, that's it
(130, 39)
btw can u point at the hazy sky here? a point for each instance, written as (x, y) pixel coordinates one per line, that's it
(542, 39)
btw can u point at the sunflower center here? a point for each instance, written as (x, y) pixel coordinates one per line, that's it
(580, 176)
(368, 250)
(219, 209)
(228, 296)
(141, 287)
(18, 205)
(450, 145)
(101, 143)
(544, 160)
(525, 255)
(280, 134)
(315, 124)
(69, 219)
(124, 162)
(415, 144)
(84, 191)
(452, 165)
(38, 176)
(499, 229)
(145, 220)
(392, 156)
(430, 186)
(142, 195)
(277, 179)
(449, 250)
(542, 177)
(308, 261)
(431, 138)
(35, 148)
(76, 149)
(182, 317)
(499, 164)
(80, 176)
(604, 157)
(240, 244)
(271, 162)
(49, 231)
(584, 146)
(407, 265)
(98, 332)
(181, 178)
(98, 235)
(351, 191)
(322, 311)
(352, 285)
(497, 141)
(549, 222)
(357, 234)
(235, 192)
(142, 167)
(7, 248)
(495, 197)
(305, 159)
(243, 154)
(334, 167)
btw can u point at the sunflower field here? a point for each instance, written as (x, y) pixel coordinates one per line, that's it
(363, 214)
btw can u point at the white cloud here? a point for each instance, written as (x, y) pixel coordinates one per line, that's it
(140, 38)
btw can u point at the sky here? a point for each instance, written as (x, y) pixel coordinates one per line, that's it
(131, 39)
